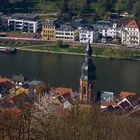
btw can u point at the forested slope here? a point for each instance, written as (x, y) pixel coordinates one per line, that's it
(100, 7)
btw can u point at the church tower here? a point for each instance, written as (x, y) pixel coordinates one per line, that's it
(88, 77)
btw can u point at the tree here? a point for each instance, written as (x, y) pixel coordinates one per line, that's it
(3, 5)
(83, 6)
(59, 43)
(120, 5)
(136, 8)
(64, 6)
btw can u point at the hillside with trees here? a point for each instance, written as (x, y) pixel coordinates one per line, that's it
(100, 7)
(75, 124)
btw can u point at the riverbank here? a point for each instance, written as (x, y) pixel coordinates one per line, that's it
(107, 52)
(62, 52)
(112, 53)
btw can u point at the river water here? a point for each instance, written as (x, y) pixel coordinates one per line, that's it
(64, 70)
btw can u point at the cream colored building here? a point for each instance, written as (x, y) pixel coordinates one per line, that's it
(48, 30)
(131, 34)
(66, 33)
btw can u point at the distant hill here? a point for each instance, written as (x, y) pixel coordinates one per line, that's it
(101, 7)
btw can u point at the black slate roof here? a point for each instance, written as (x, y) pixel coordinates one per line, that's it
(22, 16)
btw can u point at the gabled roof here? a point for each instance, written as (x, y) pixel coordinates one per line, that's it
(4, 80)
(133, 100)
(65, 27)
(62, 90)
(133, 24)
(125, 105)
(108, 103)
(124, 94)
(12, 111)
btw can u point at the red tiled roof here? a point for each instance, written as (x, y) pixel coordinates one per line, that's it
(135, 112)
(132, 24)
(62, 90)
(125, 94)
(12, 111)
(108, 103)
(4, 80)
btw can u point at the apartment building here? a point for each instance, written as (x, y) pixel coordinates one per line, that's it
(29, 23)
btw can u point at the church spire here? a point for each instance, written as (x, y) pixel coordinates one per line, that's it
(88, 76)
(89, 49)
(88, 68)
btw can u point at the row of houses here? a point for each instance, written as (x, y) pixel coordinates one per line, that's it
(126, 103)
(19, 92)
(127, 32)
(63, 32)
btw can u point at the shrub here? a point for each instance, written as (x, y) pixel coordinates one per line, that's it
(59, 43)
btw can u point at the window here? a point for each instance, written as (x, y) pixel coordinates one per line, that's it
(84, 90)
(83, 35)
(31, 27)
(67, 33)
(31, 31)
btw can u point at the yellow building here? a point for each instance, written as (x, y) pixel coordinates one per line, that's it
(48, 30)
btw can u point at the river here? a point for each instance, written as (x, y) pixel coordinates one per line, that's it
(64, 70)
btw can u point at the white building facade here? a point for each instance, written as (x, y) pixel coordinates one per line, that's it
(108, 29)
(86, 35)
(25, 23)
(114, 31)
(131, 34)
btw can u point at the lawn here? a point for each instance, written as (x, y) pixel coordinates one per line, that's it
(106, 52)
